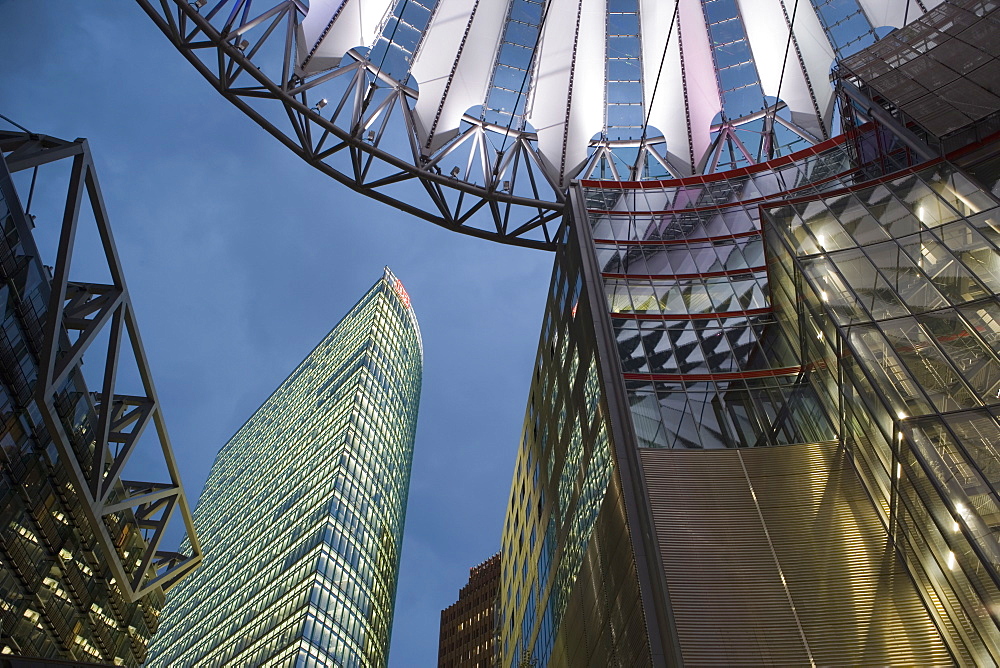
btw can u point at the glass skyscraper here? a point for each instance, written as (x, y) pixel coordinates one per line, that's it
(763, 423)
(83, 569)
(302, 515)
(763, 417)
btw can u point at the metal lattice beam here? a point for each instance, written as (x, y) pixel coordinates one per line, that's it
(78, 314)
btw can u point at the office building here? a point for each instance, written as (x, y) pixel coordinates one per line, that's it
(82, 570)
(316, 481)
(468, 626)
(763, 424)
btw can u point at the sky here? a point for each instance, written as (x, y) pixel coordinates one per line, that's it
(239, 258)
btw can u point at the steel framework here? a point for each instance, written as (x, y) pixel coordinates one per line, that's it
(359, 120)
(86, 310)
(340, 122)
(356, 124)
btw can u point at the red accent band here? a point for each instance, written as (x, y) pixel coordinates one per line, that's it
(707, 274)
(651, 242)
(692, 316)
(694, 377)
(722, 176)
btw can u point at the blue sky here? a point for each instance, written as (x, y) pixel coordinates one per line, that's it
(240, 257)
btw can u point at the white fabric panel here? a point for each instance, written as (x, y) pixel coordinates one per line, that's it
(666, 109)
(892, 12)
(767, 33)
(819, 56)
(563, 148)
(699, 74)
(356, 25)
(449, 86)
(703, 99)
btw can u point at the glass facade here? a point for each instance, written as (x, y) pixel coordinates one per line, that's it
(898, 282)
(58, 596)
(568, 562)
(302, 515)
(683, 269)
(792, 421)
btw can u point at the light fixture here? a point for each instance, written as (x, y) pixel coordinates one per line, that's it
(454, 171)
(198, 4)
(319, 105)
(371, 135)
(506, 186)
(242, 46)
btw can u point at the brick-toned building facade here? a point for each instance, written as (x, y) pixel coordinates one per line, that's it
(467, 626)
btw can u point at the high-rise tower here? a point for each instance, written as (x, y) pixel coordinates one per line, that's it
(303, 511)
(468, 627)
(763, 420)
(83, 569)
(763, 423)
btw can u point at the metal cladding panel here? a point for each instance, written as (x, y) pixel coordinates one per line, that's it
(776, 556)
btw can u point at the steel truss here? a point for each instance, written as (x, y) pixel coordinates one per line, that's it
(356, 124)
(486, 181)
(86, 310)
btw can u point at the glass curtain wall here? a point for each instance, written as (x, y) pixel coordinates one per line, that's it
(302, 515)
(568, 567)
(58, 597)
(683, 269)
(898, 282)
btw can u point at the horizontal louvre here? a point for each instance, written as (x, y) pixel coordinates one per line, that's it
(791, 547)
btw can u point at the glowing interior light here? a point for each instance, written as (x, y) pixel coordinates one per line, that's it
(821, 240)
(955, 527)
(920, 213)
(952, 563)
(899, 470)
(901, 415)
(822, 295)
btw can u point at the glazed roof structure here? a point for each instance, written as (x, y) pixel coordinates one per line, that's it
(499, 104)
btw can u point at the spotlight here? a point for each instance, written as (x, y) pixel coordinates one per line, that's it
(454, 172)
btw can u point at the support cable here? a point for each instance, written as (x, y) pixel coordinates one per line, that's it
(656, 85)
(17, 125)
(781, 79)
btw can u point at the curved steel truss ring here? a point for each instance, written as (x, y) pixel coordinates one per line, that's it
(487, 181)
(342, 137)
